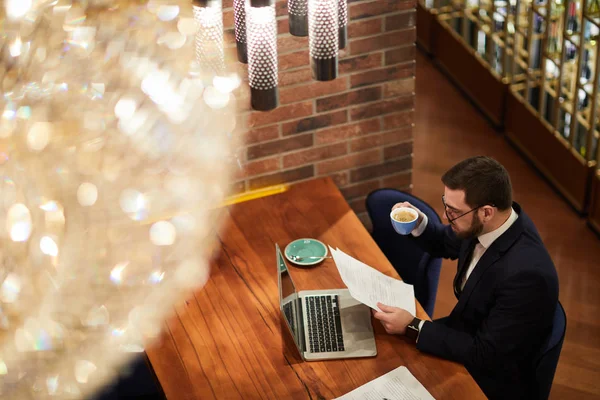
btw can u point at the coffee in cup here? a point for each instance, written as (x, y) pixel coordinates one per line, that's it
(404, 215)
(404, 220)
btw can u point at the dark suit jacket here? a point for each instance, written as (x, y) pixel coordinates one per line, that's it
(504, 312)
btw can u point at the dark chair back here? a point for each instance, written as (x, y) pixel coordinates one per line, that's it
(136, 381)
(414, 265)
(547, 359)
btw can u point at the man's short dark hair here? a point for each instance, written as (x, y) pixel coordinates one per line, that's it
(484, 180)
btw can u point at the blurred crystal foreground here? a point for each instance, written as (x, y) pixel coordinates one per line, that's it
(114, 144)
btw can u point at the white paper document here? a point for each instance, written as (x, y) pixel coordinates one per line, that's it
(370, 286)
(398, 384)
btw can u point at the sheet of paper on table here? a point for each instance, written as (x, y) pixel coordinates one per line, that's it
(398, 384)
(370, 286)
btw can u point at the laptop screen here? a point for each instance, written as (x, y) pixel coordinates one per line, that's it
(289, 302)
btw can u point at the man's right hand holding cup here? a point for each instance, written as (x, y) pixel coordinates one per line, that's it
(403, 217)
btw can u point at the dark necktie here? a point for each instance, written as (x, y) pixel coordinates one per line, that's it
(460, 274)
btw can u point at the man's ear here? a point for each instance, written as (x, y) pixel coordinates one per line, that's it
(488, 212)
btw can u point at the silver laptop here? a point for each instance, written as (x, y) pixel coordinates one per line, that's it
(325, 324)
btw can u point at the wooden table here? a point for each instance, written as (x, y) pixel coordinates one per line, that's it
(229, 341)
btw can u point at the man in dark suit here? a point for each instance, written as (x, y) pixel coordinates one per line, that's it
(506, 283)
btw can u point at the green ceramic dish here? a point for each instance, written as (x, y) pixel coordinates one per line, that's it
(303, 248)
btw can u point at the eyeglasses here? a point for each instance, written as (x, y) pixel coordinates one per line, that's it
(449, 213)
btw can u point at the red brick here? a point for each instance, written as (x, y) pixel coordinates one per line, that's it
(400, 55)
(285, 44)
(398, 150)
(350, 161)
(381, 139)
(362, 189)
(314, 154)
(358, 205)
(281, 8)
(279, 146)
(283, 25)
(259, 167)
(241, 121)
(400, 87)
(383, 75)
(398, 181)
(237, 187)
(293, 60)
(347, 131)
(366, 221)
(265, 134)
(383, 107)
(230, 55)
(293, 77)
(228, 19)
(378, 7)
(277, 178)
(320, 113)
(229, 39)
(240, 68)
(374, 171)
(398, 120)
(384, 41)
(281, 113)
(343, 53)
(367, 61)
(340, 179)
(242, 97)
(312, 90)
(400, 21)
(316, 122)
(349, 98)
(364, 28)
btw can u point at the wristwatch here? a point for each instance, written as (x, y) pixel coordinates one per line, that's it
(412, 330)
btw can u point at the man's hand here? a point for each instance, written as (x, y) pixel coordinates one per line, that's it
(408, 205)
(394, 319)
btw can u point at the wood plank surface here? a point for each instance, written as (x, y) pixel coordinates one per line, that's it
(229, 341)
(449, 129)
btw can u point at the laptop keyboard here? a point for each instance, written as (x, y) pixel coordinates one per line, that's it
(324, 324)
(288, 311)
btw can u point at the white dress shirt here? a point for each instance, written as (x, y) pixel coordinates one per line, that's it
(485, 241)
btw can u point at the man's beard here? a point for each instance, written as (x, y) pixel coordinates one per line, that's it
(474, 230)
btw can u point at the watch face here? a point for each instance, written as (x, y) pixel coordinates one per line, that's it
(412, 332)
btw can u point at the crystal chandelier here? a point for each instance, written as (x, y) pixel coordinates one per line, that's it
(115, 151)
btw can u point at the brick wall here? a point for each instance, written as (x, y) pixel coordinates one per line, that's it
(356, 129)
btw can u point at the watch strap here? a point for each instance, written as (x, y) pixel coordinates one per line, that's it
(412, 330)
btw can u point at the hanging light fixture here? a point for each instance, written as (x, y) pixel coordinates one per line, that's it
(239, 16)
(325, 22)
(208, 15)
(343, 22)
(298, 17)
(323, 38)
(261, 31)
